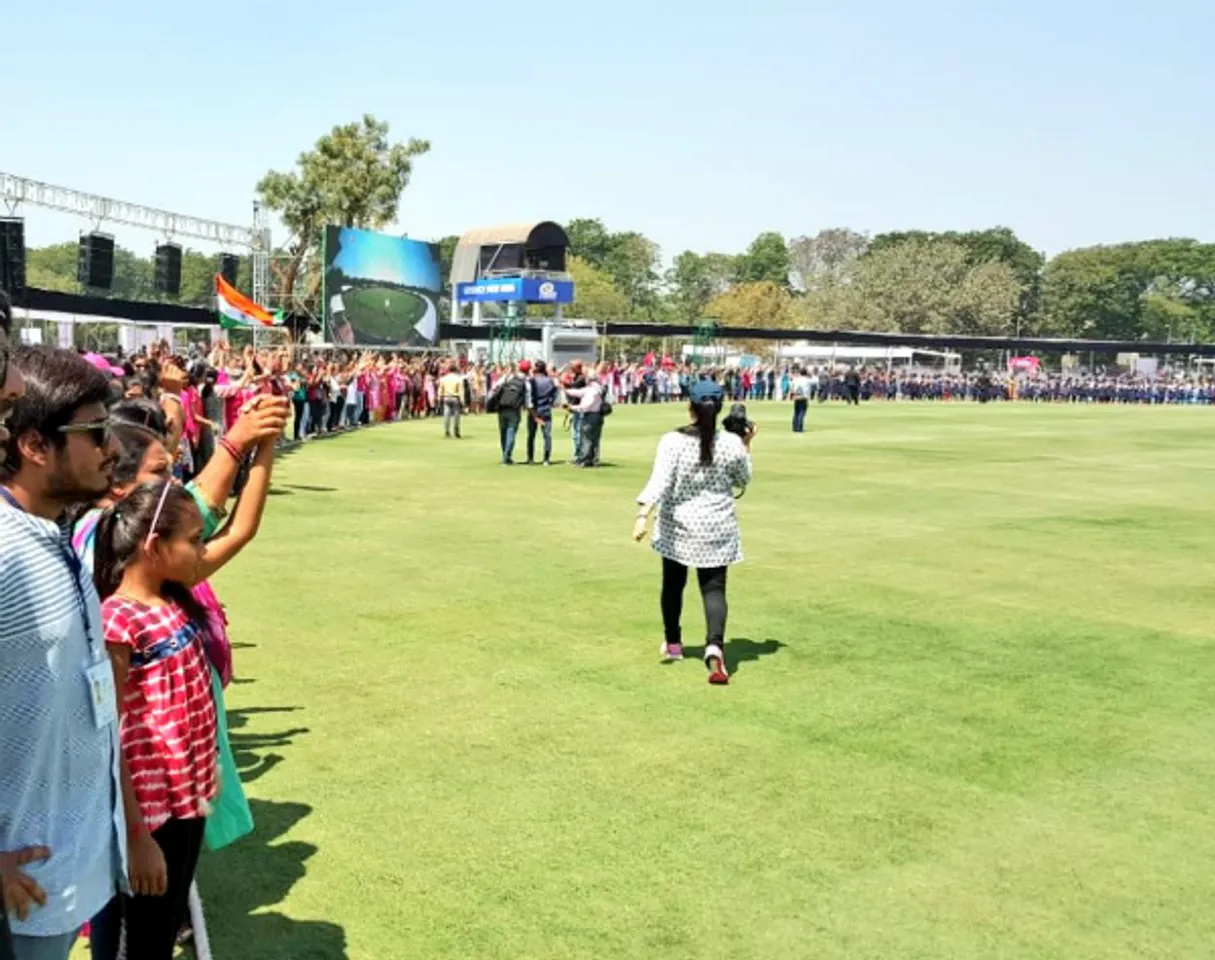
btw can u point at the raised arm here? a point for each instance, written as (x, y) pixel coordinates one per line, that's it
(247, 516)
(264, 418)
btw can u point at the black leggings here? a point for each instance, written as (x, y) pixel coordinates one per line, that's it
(152, 923)
(712, 591)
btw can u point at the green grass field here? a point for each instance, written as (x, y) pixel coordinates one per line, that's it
(972, 715)
(384, 311)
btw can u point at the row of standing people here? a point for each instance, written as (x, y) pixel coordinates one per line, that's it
(114, 764)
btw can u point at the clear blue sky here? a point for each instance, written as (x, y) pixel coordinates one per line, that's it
(700, 124)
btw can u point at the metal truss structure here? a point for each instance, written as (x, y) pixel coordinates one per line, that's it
(15, 190)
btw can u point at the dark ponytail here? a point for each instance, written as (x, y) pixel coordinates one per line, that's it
(126, 526)
(705, 427)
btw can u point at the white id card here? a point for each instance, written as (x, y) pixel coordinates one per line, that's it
(101, 693)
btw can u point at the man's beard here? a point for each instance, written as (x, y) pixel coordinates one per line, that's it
(69, 490)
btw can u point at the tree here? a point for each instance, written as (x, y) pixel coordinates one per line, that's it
(596, 296)
(762, 305)
(827, 259)
(590, 241)
(632, 263)
(928, 285)
(1155, 289)
(447, 252)
(766, 260)
(690, 287)
(353, 177)
(52, 268)
(1095, 293)
(994, 245)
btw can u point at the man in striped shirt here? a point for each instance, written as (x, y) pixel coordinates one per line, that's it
(60, 787)
(11, 875)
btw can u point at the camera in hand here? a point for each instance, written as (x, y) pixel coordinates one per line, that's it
(736, 421)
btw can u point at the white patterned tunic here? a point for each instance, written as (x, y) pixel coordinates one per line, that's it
(697, 525)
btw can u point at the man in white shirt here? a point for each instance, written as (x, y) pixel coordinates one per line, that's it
(799, 389)
(590, 408)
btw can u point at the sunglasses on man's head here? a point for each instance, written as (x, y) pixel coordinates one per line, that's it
(98, 430)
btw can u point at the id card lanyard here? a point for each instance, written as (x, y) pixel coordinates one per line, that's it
(74, 566)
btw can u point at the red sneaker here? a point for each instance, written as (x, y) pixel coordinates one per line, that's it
(715, 660)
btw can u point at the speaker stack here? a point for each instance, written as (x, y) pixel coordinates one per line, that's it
(95, 262)
(168, 269)
(12, 255)
(229, 267)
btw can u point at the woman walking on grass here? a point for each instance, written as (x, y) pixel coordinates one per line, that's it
(695, 473)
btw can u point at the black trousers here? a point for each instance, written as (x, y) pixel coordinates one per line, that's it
(712, 592)
(298, 407)
(152, 923)
(316, 415)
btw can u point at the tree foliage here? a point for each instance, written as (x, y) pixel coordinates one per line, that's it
(928, 285)
(765, 261)
(590, 241)
(758, 305)
(596, 296)
(827, 259)
(694, 280)
(354, 177)
(632, 262)
(1157, 288)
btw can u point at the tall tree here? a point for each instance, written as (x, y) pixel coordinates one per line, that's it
(590, 241)
(354, 177)
(447, 252)
(52, 268)
(827, 259)
(928, 285)
(994, 245)
(762, 305)
(766, 260)
(690, 287)
(632, 262)
(596, 296)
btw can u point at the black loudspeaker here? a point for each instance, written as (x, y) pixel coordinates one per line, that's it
(12, 254)
(229, 267)
(95, 264)
(168, 269)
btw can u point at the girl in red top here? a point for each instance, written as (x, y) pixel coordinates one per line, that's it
(148, 547)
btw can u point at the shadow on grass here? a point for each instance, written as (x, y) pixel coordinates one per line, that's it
(239, 883)
(247, 747)
(740, 650)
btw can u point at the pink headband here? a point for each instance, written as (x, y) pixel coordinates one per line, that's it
(164, 495)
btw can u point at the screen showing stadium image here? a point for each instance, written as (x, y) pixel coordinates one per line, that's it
(380, 290)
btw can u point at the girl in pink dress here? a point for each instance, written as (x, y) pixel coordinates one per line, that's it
(431, 394)
(373, 396)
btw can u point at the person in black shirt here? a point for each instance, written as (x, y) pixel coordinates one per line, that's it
(544, 396)
(852, 387)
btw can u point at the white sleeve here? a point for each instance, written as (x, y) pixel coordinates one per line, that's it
(663, 477)
(738, 468)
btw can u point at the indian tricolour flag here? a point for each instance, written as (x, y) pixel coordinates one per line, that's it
(237, 310)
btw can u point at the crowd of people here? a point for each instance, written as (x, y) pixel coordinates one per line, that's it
(115, 766)
(117, 478)
(337, 392)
